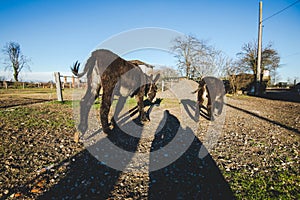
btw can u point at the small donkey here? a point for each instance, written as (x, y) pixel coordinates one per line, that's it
(116, 76)
(213, 89)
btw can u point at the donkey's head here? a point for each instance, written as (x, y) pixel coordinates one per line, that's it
(151, 88)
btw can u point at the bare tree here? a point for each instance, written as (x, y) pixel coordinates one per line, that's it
(15, 59)
(167, 72)
(232, 70)
(248, 58)
(194, 56)
(221, 64)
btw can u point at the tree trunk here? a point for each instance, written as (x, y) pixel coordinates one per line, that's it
(16, 75)
(187, 71)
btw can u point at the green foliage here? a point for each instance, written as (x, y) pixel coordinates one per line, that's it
(51, 116)
(281, 184)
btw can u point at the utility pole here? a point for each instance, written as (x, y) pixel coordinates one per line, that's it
(259, 46)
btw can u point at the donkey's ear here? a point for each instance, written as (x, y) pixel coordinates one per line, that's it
(151, 77)
(156, 78)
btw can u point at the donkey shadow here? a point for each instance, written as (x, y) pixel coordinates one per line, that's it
(193, 111)
(132, 112)
(89, 178)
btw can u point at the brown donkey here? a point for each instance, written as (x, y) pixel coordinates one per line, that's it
(213, 89)
(116, 76)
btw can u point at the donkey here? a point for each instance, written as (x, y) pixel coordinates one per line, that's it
(213, 89)
(116, 76)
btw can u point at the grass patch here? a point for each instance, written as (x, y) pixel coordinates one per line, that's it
(51, 115)
(281, 185)
(238, 96)
(131, 102)
(66, 102)
(169, 103)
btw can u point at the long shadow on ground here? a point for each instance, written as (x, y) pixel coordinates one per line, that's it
(188, 177)
(266, 119)
(25, 101)
(87, 178)
(282, 95)
(193, 111)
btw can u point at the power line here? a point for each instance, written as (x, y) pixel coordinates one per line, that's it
(281, 10)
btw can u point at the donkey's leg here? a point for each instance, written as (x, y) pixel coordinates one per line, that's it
(220, 104)
(105, 107)
(209, 106)
(200, 99)
(120, 105)
(140, 102)
(85, 106)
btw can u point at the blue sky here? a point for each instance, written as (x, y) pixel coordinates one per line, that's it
(56, 33)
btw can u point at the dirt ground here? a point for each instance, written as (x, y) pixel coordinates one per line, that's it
(255, 156)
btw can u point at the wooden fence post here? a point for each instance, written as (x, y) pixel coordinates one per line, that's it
(58, 87)
(73, 82)
(5, 84)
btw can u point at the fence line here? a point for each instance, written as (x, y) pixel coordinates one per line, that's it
(61, 85)
(23, 85)
(58, 84)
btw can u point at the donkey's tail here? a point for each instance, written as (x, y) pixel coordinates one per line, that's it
(75, 68)
(88, 67)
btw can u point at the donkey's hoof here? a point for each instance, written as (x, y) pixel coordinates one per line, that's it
(82, 128)
(76, 137)
(145, 120)
(107, 130)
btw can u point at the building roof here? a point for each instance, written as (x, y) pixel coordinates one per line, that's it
(138, 62)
